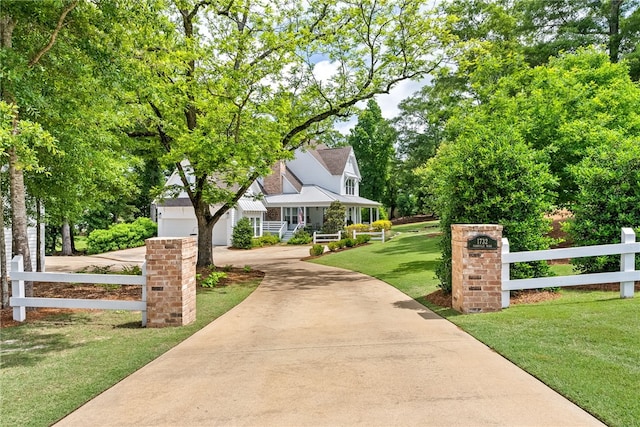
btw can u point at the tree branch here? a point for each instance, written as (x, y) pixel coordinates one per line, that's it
(54, 35)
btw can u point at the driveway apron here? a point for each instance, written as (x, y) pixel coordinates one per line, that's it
(315, 345)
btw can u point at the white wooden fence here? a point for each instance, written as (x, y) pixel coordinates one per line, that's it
(325, 238)
(626, 276)
(375, 235)
(19, 302)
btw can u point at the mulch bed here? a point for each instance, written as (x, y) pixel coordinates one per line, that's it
(107, 292)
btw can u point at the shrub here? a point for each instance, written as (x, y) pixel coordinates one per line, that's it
(362, 239)
(121, 236)
(300, 238)
(608, 199)
(381, 224)
(213, 279)
(505, 182)
(359, 228)
(333, 246)
(334, 218)
(266, 240)
(242, 234)
(316, 250)
(349, 242)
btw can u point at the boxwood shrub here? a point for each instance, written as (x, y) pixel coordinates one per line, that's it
(121, 236)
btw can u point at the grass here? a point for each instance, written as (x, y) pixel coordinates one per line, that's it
(585, 345)
(52, 366)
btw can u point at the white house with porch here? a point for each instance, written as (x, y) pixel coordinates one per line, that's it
(296, 194)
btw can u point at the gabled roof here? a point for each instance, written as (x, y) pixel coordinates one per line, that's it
(333, 159)
(293, 179)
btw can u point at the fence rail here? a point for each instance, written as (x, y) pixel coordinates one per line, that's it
(375, 235)
(19, 301)
(626, 276)
(327, 237)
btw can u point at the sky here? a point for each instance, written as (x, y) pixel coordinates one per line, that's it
(388, 102)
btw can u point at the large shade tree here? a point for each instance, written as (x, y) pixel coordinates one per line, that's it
(373, 140)
(229, 88)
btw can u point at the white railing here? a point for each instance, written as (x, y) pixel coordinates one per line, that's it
(325, 238)
(626, 276)
(375, 235)
(275, 227)
(19, 302)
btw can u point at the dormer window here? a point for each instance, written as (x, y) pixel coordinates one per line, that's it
(350, 187)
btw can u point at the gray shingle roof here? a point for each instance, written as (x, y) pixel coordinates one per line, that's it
(333, 159)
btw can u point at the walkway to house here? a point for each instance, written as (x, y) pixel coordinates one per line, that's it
(315, 345)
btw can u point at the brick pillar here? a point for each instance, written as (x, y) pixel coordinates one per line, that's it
(171, 281)
(476, 267)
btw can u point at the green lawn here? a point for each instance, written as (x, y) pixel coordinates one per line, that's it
(585, 345)
(51, 366)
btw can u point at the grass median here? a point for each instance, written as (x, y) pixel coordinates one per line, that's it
(585, 344)
(54, 365)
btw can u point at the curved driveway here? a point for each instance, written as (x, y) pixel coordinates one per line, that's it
(321, 346)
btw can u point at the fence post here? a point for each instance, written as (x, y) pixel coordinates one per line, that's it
(354, 233)
(171, 281)
(506, 274)
(144, 293)
(314, 237)
(17, 289)
(476, 259)
(339, 234)
(383, 233)
(627, 263)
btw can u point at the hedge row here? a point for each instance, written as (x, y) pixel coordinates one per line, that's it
(121, 236)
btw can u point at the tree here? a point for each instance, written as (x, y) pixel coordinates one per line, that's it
(232, 87)
(24, 41)
(488, 175)
(372, 140)
(334, 218)
(559, 26)
(608, 179)
(575, 102)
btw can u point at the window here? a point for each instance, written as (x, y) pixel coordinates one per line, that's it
(255, 224)
(350, 187)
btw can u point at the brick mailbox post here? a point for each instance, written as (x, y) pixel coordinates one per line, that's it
(476, 267)
(171, 281)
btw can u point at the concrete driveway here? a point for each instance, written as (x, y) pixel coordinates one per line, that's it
(321, 346)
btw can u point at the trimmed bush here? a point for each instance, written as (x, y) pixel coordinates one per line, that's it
(300, 238)
(121, 236)
(265, 240)
(349, 242)
(316, 250)
(359, 228)
(333, 246)
(381, 224)
(242, 234)
(362, 239)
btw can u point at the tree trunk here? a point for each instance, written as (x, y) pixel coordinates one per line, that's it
(67, 249)
(3, 261)
(614, 30)
(20, 243)
(205, 235)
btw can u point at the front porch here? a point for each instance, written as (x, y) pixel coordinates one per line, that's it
(285, 220)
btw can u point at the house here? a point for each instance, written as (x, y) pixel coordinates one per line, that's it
(296, 194)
